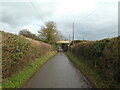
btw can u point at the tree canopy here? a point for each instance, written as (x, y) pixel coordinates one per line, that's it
(49, 33)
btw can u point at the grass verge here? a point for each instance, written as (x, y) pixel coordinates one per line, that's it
(93, 75)
(19, 79)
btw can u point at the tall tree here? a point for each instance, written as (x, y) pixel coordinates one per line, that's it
(49, 33)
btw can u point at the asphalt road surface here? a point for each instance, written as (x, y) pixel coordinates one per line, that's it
(58, 72)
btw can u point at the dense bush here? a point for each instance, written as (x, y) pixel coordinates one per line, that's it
(109, 61)
(19, 52)
(90, 49)
(102, 55)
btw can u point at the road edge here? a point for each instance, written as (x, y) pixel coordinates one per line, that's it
(84, 76)
(23, 86)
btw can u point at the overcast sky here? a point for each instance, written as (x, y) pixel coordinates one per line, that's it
(94, 19)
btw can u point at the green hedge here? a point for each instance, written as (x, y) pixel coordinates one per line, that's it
(19, 79)
(18, 52)
(14, 49)
(102, 55)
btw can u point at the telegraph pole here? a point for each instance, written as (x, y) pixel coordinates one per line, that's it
(73, 33)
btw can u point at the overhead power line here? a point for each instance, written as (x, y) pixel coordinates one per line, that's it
(39, 16)
(80, 20)
(90, 14)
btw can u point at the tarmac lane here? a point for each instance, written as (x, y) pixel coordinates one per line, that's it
(58, 72)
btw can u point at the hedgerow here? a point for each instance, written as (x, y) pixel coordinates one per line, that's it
(102, 55)
(18, 52)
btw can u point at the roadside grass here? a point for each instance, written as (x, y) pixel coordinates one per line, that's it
(93, 75)
(20, 78)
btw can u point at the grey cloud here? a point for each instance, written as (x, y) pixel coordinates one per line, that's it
(23, 13)
(90, 25)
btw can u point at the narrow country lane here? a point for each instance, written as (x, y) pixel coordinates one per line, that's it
(58, 72)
